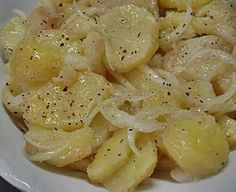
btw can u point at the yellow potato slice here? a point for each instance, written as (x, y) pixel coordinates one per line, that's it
(79, 25)
(181, 4)
(136, 169)
(228, 126)
(80, 165)
(222, 22)
(194, 92)
(94, 50)
(163, 94)
(35, 63)
(59, 39)
(131, 37)
(181, 60)
(66, 108)
(113, 153)
(65, 147)
(11, 34)
(12, 97)
(101, 128)
(206, 20)
(197, 145)
(104, 5)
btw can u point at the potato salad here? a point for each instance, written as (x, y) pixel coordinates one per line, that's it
(124, 90)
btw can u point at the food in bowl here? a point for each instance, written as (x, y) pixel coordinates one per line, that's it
(123, 89)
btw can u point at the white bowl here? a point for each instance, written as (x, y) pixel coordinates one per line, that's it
(17, 170)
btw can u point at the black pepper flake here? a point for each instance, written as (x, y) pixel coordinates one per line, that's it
(82, 39)
(108, 149)
(130, 129)
(119, 154)
(139, 34)
(169, 93)
(121, 140)
(65, 89)
(62, 44)
(187, 93)
(15, 112)
(60, 5)
(122, 58)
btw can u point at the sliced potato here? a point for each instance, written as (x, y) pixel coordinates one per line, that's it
(101, 128)
(12, 97)
(182, 60)
(206, 20)
(35, 63)
(11, 34)
(41, 18)
(136, 169)
(194, 92)
(59, 39)
(66, 108)
(228, 126)
(65, 147)
(168, 24)
(199, 142)
(80, 165)
(105, 5)
(94, 50)
(163, 94)
(131, 37)
(222, 22)
(181, 4)
(78, 25)
(113, 153)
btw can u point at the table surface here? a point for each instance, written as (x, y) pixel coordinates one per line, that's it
(6, 187)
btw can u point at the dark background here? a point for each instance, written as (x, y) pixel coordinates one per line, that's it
(6, 187)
